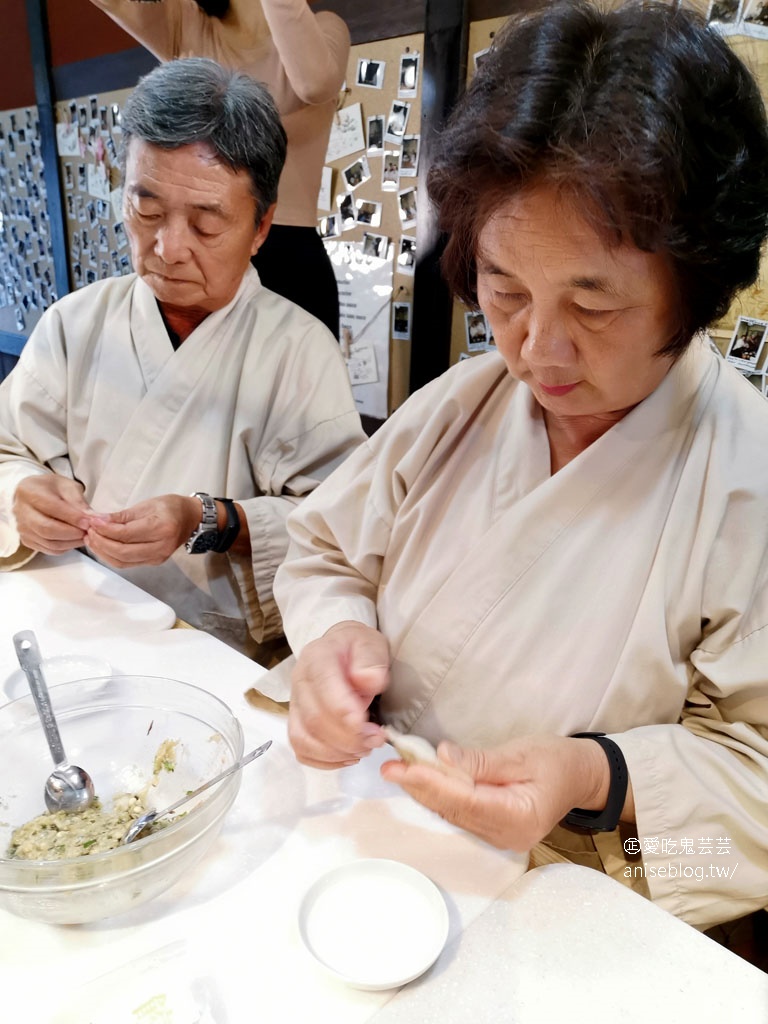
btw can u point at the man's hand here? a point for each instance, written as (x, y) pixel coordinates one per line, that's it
(521, 789)
(145, 534)
(51, 513)
(333, 684)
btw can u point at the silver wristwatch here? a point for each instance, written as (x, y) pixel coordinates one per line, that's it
(206, 535)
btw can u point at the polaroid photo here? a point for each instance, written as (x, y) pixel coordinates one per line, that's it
(94, 102)
(102, 209)
(329, 227)
(746, 344)
(406, 256)
(724, 12)
(93, 255)
(756, 18)
(357, 173)
(82, 115)
(396, 123)
(19, 319)
(125, 265)
(375, 245)
(21, 136)
(346, 207)
(111, 149)
(120, 236)
(77, 274)
(368, 212)
(406, 201)
(370, 73)
(324, 195)
(409, 76)
(114, 115)
(409, 156)
(390, 171)
(11, 144)
(115, 263)
(82, 178)
(90, 276)
(476, 328)
(103, 240)
(103, 120)
(104, 269)
(376, 134)
(13, 122)
(80, 206)
(67, 138)
(401, 321)
(73, 111)
(71, 215)
(90, 209)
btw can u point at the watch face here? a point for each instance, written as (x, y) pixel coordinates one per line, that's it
(204, 542)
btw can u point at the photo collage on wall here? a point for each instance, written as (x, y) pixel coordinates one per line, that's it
(747, 351)
(88, 138)
(739, 17)
(27, 281)
(372, 165)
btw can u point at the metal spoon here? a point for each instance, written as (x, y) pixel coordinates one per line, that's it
(146, 820)
(68, 787)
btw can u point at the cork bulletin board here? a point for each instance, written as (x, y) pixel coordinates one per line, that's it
(27, 281)
(88, 139)
(377, 213)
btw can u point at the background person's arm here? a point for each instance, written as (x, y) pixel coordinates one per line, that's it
(313, 48)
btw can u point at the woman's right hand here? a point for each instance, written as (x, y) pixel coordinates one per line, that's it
(333, 684)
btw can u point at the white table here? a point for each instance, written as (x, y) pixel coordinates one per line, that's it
(561, 943)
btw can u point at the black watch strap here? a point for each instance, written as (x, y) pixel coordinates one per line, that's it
(228, 535)
(607, 819)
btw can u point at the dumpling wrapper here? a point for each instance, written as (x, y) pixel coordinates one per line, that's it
(416, 750)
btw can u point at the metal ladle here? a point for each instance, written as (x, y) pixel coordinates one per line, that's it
(146, 820)
(68, 787)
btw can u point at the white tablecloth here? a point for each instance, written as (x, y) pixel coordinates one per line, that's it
(561, 943)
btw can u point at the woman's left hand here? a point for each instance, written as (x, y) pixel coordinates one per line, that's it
(514, 794)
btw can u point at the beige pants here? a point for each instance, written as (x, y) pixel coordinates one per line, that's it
(603, 851)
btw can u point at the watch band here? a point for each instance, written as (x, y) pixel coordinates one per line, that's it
(228, 535)
(206, 535)
(607, 819)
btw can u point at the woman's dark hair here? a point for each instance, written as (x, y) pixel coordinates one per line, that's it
(643, 114)
(197, 100)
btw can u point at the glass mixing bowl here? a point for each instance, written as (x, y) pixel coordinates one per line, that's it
(113, 727)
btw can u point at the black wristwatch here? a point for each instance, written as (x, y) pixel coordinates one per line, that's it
(606, 820)
(206, 535)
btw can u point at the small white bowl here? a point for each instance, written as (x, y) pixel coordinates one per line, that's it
(62, 668)
(375, 923)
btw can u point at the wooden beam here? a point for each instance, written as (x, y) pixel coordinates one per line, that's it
(444, 72)
(37, 21)
(369, 21)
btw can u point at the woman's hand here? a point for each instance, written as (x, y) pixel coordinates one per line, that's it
(514, 794)
(333, 684)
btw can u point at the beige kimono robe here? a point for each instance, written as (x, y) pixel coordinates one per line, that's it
(626, 594)
(255, 405)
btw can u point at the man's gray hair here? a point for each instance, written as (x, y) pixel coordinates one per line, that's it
(195, 100)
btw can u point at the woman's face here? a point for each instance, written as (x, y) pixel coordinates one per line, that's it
(578, 321)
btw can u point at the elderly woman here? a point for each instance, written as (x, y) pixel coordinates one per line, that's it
(170, 419)
(570, 535)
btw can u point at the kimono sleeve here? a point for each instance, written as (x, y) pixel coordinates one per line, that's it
(311, 429)
(701, 788)
(33, 434)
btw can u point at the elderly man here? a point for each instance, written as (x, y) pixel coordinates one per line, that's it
(171, 419)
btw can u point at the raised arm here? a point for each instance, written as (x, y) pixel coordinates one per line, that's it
(313, 48)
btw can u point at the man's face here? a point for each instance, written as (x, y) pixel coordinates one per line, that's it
(191, 222)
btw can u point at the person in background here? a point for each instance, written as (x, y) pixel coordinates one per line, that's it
(568, 537)
(170, 420)
(302, 59)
